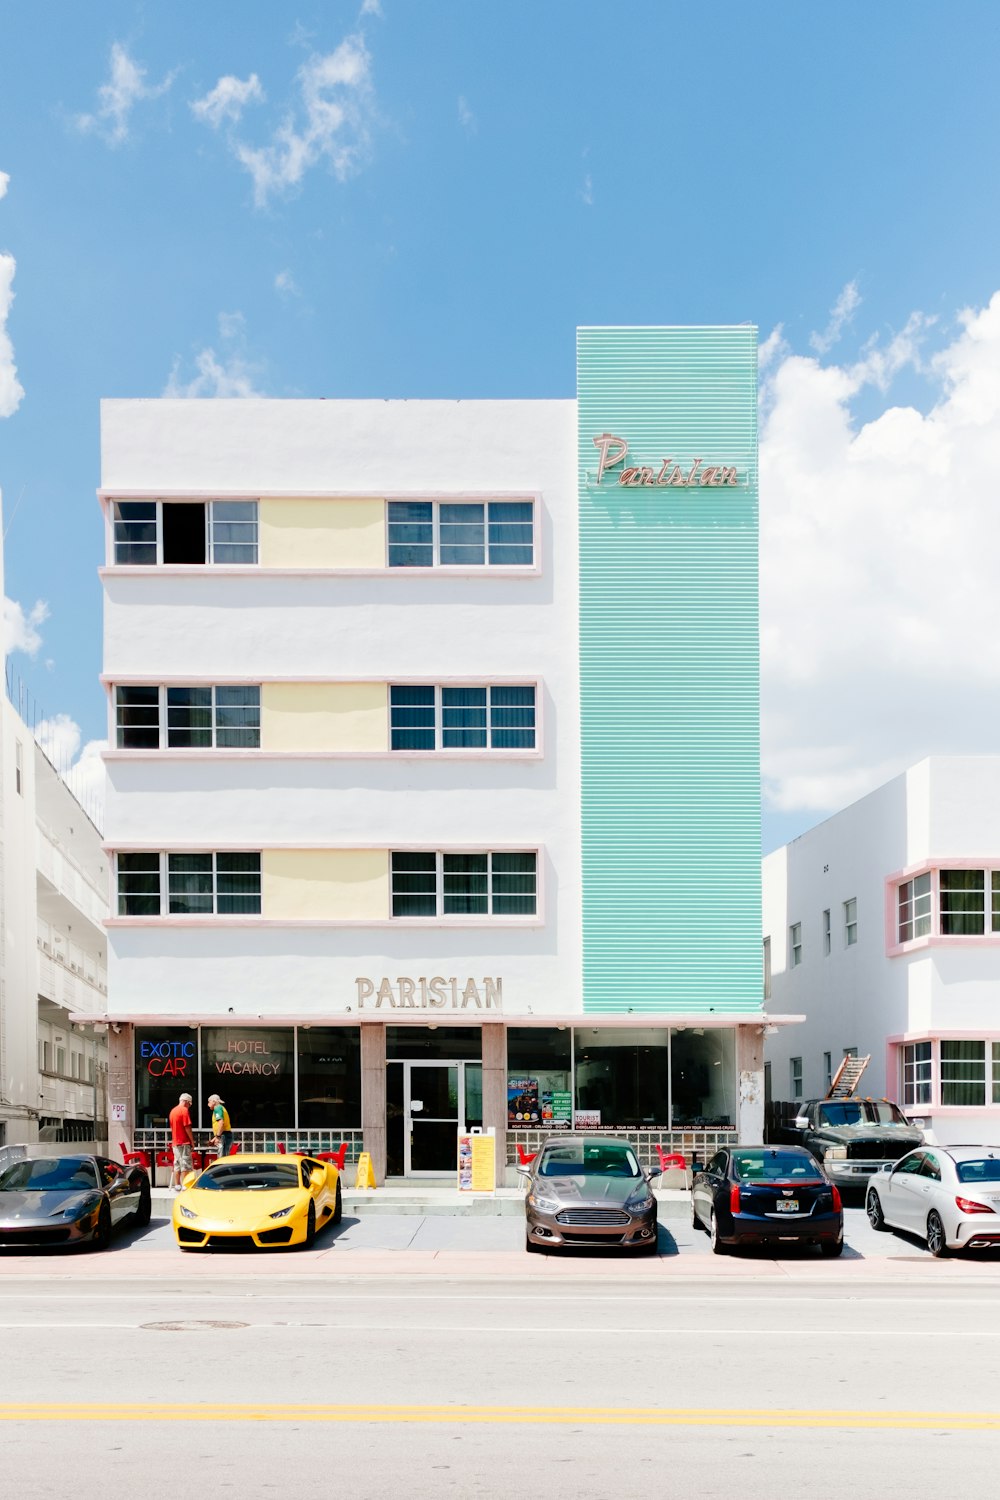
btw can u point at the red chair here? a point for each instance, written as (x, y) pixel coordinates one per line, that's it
(525, 1158)
(202, 1159)
(338, 1157)
(670, 1159)
(235, 1149)
(280, 1148)
(128, 1157)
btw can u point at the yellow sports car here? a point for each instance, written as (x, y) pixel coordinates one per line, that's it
(257, 1199)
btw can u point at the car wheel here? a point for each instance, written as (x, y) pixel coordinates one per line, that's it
(831, 1247)
(338, 1205)
(102, 1234)
(936, 1242)
(532, 1246)
(876, 1217)
(718, 1248)
(695, 1221)
(310, 1238)
(141, 1216)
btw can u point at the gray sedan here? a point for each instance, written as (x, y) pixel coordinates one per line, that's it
(589, 1190)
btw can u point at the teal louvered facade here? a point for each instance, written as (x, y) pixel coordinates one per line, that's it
(669, 670)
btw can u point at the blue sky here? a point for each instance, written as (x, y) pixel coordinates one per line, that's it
(424, 198)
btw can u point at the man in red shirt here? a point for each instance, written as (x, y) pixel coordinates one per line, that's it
(182, 1139)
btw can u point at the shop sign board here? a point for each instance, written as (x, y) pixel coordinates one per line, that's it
(587, 1119)
(557, 1109)
(477, 1169)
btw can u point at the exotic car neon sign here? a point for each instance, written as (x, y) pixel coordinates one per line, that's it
(166, 1059)
(613, 451)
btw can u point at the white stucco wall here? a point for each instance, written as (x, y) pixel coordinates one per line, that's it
(373, 627)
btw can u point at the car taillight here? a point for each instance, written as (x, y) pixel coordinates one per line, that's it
(838, 1206)
(967, 1206)
(734, 1198)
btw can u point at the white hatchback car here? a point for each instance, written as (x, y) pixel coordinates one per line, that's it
(949, 1195)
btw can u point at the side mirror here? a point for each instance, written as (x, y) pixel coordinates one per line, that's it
(801, 1122)
(318, 1176)
(524, 1171)
(189, 1179)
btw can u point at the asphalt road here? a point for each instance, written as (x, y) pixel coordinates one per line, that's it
(281, 1382)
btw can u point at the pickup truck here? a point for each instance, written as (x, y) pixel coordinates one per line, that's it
(853, 1138)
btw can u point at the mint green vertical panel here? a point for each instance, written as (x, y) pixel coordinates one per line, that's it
(669, 674)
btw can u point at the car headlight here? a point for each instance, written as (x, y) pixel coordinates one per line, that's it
(639, 1204)
(544, 1205)
(835, 1153)
(283, 1213)
(186, 1213)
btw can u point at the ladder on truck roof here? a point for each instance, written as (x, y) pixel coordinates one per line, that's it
(847, 1077)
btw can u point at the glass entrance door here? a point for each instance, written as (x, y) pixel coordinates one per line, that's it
(435, 1096)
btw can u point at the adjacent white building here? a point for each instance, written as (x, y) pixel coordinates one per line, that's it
(882, 926)
(53, 966)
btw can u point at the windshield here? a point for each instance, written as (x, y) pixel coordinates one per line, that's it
(51, 1174)
(768, 1166)
(861, 1112)
(250, 1176)
(590, 1160)
(987, 1170)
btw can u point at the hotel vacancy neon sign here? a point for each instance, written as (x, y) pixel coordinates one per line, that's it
(613, 451)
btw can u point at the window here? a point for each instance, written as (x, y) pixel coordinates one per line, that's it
(963, 902)
(220, 884)
(61, 1060)
(827, 934)
(429, 884)
(963, 1073)
(795, 944)
(795, 1076)
(767, 968)
(462, 718)
(220, 718)
(19, 768)
(914, 908)
(456, 534)
(850, 922)
(828, 1070)
(917, 1073)
(204, 531)
(46, 1057)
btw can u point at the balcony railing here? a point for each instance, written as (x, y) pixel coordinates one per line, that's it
(69, 877)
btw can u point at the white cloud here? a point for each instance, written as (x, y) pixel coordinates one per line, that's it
(83, 770)
(878, 545)
(773, 347)
(466, 118)
(841, 313)
(587, 191)
(4, 183)
(231, 373)
(371, 7)
(331, 122)
(11, 389)
(286, 284)
(117, 98)
(20, 628)
(228, 100)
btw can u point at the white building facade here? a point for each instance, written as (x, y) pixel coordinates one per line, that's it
(882, 925)
(430, 742)
(53, 966)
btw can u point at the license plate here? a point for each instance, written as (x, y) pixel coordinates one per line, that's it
(787, 1206)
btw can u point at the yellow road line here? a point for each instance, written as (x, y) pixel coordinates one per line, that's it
(594, 1416)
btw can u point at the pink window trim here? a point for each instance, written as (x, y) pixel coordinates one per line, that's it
(895, 949)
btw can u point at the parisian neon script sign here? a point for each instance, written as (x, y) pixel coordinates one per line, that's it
(613, 451)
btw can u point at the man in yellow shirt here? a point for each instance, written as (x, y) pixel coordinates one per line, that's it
(221, 1128)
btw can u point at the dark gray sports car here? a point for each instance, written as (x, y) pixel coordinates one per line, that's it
(66, 1200)
(589, 1190)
